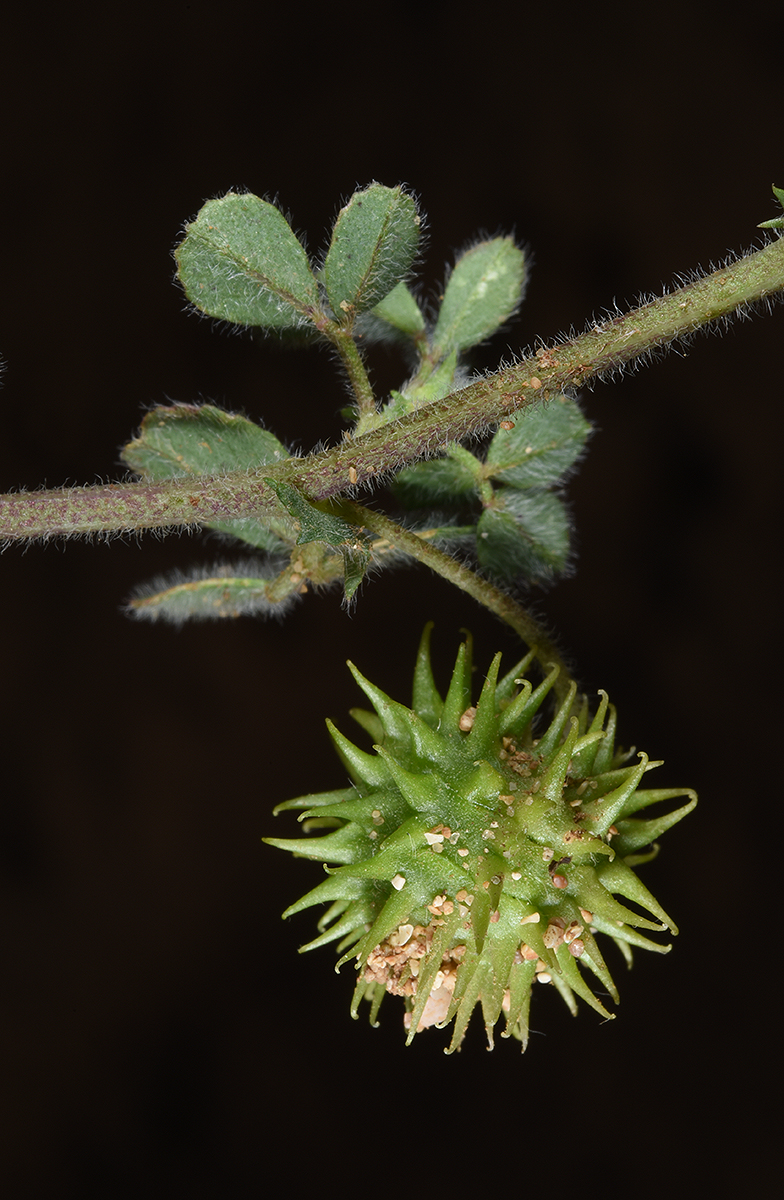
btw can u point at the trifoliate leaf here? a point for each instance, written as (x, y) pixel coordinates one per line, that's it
(483, 291)
(526, 536)
(185, 439)
(374, 243)
(545, 442)
(241, 262)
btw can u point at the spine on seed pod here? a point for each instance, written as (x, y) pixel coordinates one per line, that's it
(479, 849)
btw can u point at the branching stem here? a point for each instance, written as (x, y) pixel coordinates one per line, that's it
(498, 602)
(563, 368)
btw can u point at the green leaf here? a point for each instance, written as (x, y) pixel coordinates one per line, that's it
(441, 483)
(434, 387)
(483, 291)
(397, 318)
(775, 222)
(356, 560)
(374, 243)
(546, 441)
(315, 525)
(241, 262)
(318, 526)
(185, 439)
(400, 310)
(190, 439)
(210, 595)
(527, 536)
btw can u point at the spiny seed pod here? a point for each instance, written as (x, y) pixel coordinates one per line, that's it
(477, 856)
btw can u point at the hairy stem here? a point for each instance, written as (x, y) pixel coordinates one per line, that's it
(341, 339)
(125, 507)
(565, 367)
(498, 602)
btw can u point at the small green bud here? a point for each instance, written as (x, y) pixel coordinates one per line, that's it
(775, 222)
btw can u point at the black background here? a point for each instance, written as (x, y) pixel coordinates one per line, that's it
(160, 1035)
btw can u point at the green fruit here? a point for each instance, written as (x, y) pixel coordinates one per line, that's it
(478, 855)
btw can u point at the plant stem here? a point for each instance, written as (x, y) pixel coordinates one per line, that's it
(354, 367)
(574, 362)
(564, 368)
(110, 508)
(498, 602)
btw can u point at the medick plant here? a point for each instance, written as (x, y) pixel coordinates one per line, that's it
(485, 841)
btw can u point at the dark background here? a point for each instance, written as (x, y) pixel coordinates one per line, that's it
(160, 1035)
